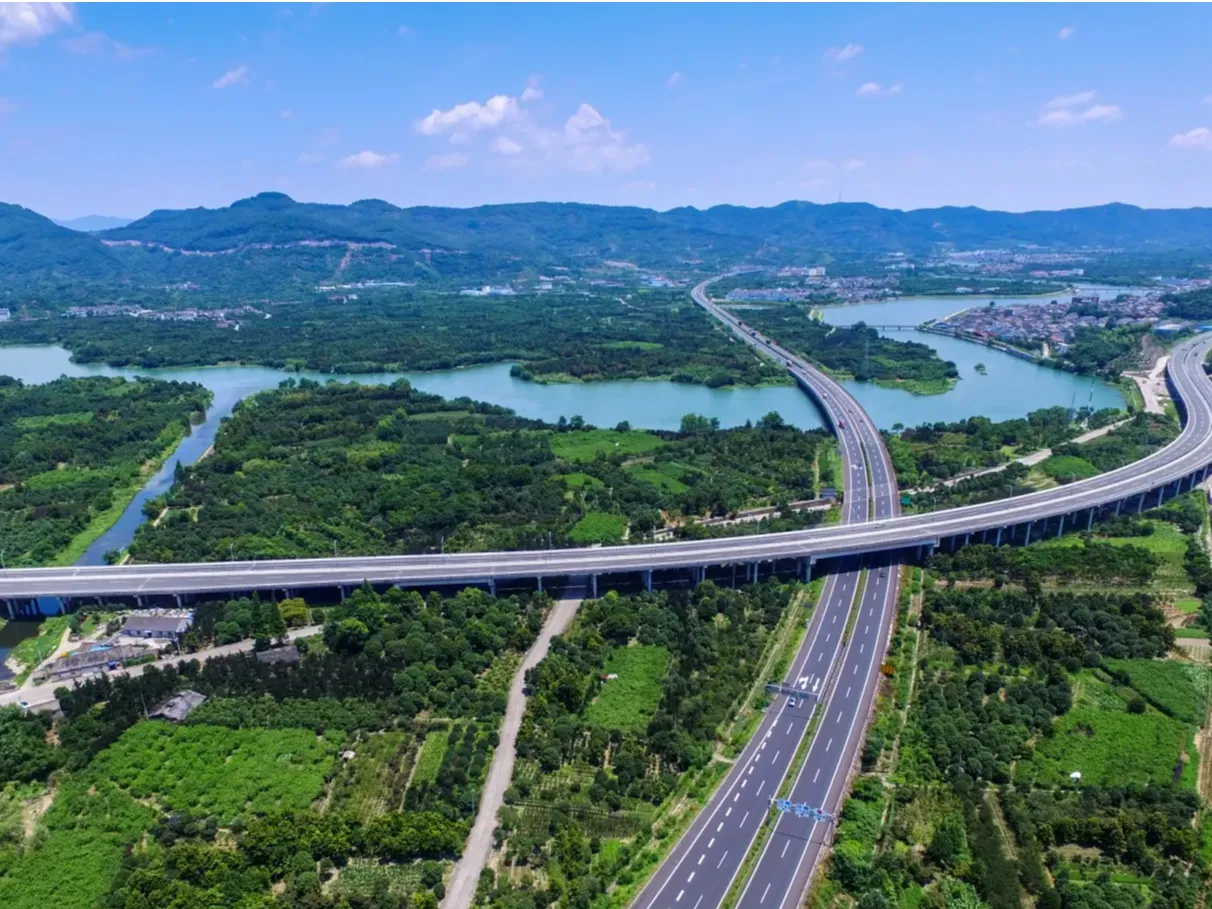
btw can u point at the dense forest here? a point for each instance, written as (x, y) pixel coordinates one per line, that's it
(310, 469)
(856, 350)
(557, 336)
(73, 450)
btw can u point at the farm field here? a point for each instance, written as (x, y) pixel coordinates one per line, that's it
(226, 773)
(628, 702)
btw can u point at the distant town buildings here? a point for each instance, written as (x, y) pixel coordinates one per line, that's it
(222, 318)
(4, 315)
(487, 291)
(1055, 323)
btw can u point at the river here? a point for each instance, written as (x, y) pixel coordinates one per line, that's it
(1011, 388)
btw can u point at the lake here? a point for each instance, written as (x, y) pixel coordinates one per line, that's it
(1011, 388)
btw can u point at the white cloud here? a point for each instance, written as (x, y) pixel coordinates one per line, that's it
(27, 22)
(447, 162)
(532, 92)
(875, 90)
(503, 145)
(1069, 100)
(471, 115)
(843, 53)
(1095, 113)
(674, 78)
(232, 77)
(587, 142)
(1076, 109)
(855, 164)
(1200, 137)
(368, 160)
(1067, 32)
(85, 43)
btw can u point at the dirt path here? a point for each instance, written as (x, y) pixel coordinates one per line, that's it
(461, 890)
(1153, 386)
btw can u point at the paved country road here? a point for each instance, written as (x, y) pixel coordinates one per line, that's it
(462, 888)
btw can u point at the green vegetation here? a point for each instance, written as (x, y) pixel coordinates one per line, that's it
(610, 770)
(632, 691)
(310, 469)
(74, 452)
(928, 453)
(370, 750)
(940, 451)
(558, 336)
(1109, 749)
(857, 350)
(222, 773)
(1030, 666)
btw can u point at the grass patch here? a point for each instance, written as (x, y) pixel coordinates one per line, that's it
(1187, 605)
(45, 421)
(429, 761)
(631, 345)
(79, 849)
(581, 481)
(588, 444)
(1178, 689)
(664, 476)
(220, 772)
(629, 702)
(32, 651)
(599, 527)
(1068, 468)
(1109, 748)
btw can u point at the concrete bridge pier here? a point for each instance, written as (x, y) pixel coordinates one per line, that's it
(648, 580)
(1140, 504)
(9, 605)
(1090, 519)
(492, 588)
(1060, 525)
(805, 569)
(593, 586)
(1118, 505)
(539, 579)
(997, 539)
(1027, 537)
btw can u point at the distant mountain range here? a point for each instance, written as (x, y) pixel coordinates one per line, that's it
(270, 243)
(91, 224)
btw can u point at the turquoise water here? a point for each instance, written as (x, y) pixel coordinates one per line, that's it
(1011, 388)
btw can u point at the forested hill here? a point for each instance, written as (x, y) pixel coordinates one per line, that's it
(270, 241)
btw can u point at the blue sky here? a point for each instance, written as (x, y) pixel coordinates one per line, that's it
(119, 109)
